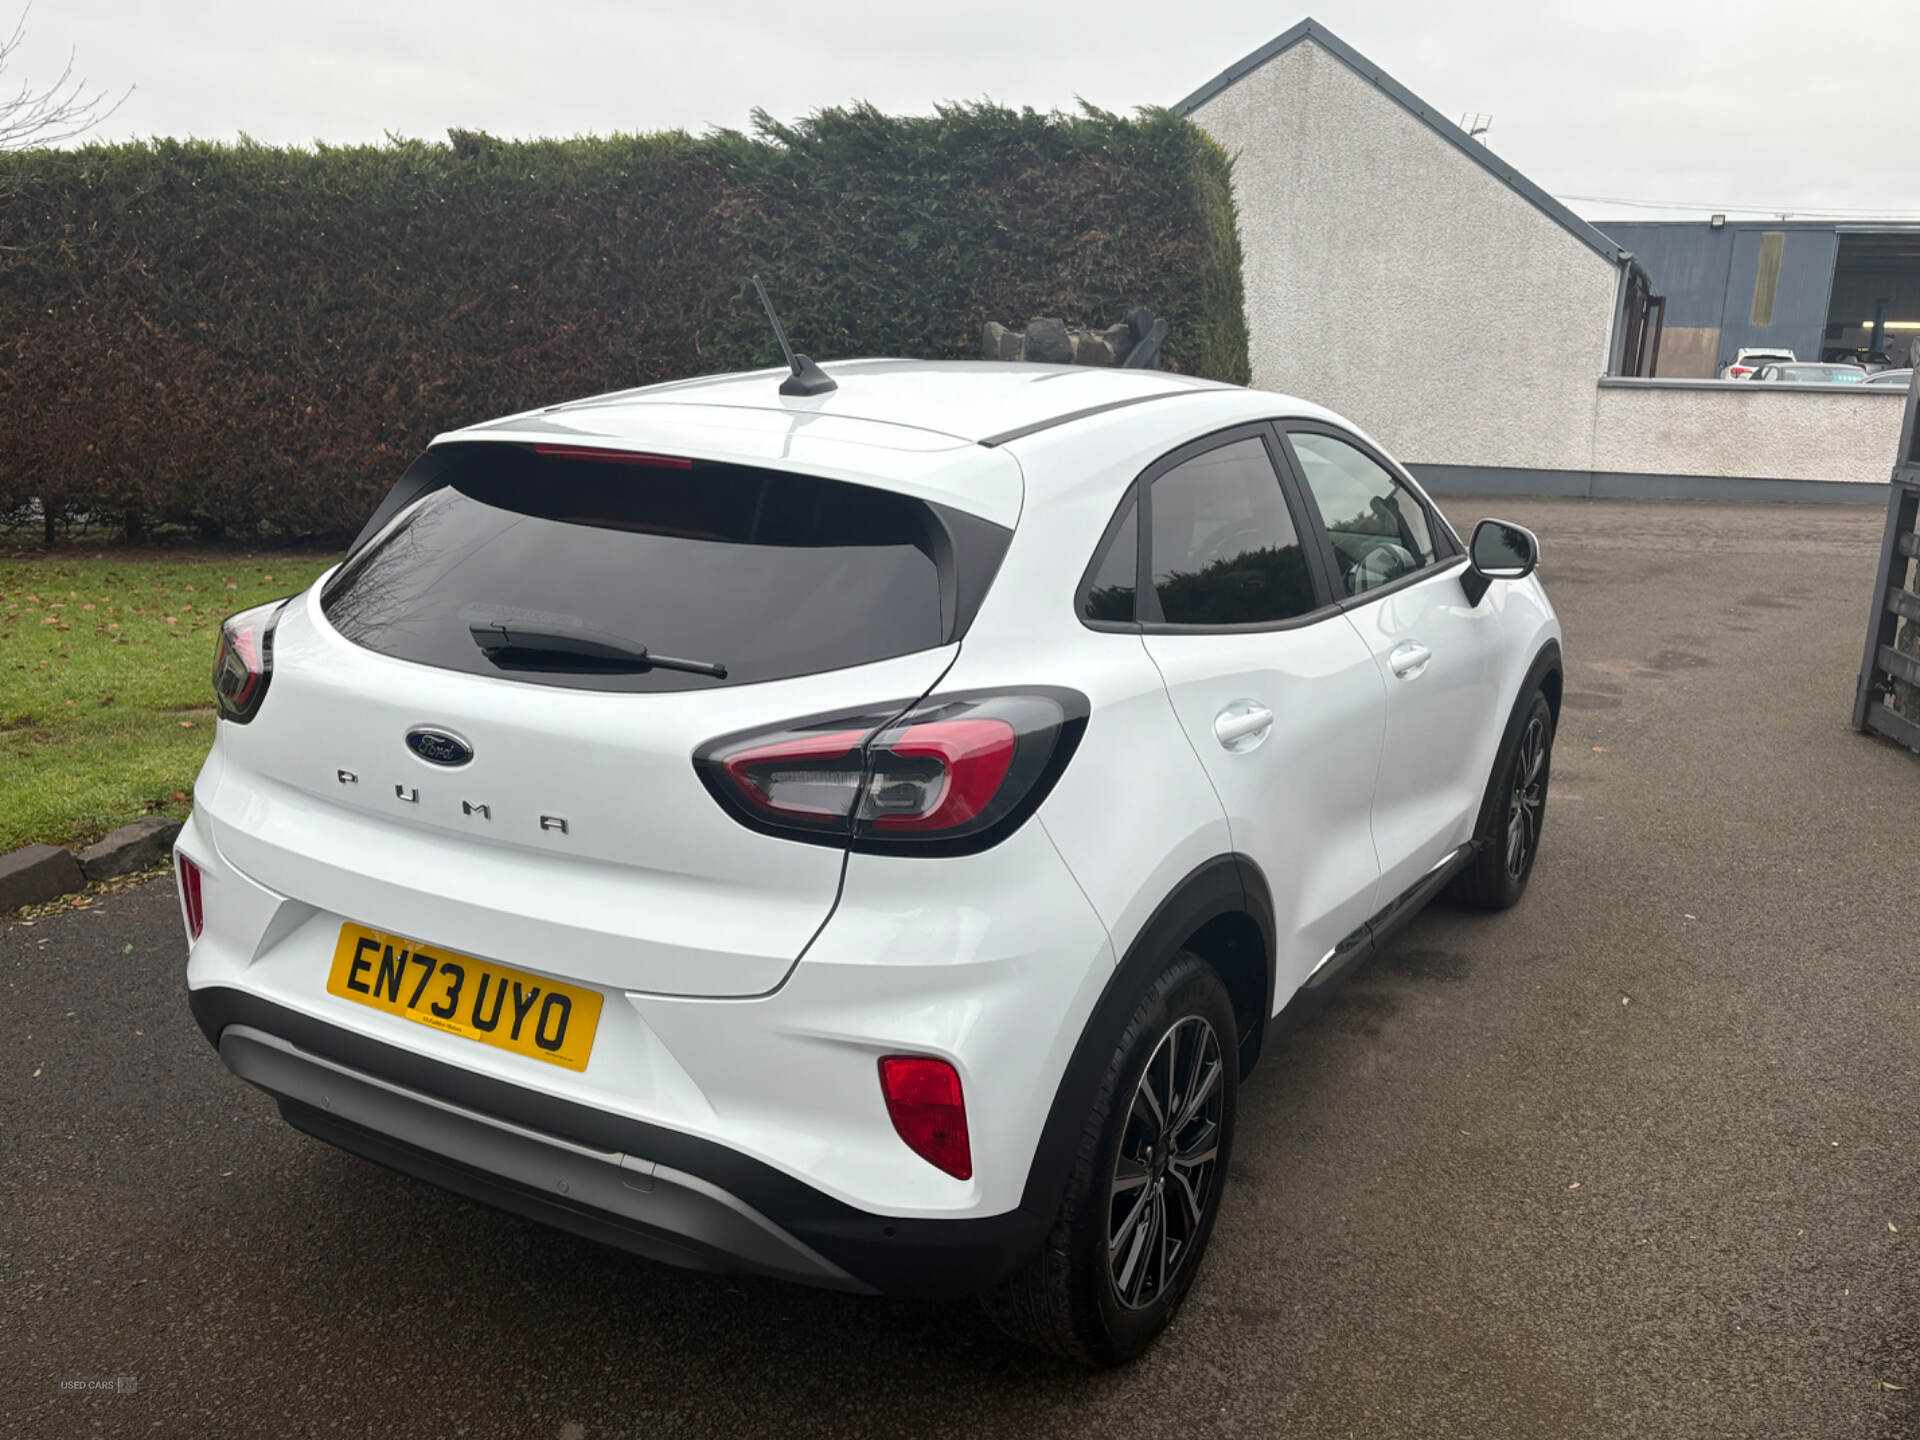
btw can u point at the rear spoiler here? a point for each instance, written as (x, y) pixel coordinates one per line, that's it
(426, 473)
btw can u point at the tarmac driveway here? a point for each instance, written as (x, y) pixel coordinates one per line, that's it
(1636, 1158)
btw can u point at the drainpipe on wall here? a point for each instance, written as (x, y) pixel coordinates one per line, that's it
(1626, 262)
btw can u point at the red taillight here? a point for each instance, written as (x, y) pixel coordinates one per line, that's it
(811, 779)
(188, 874)
(614, 457)
(969, 759)
(243, 661)
(929, 1112)
(948, 775)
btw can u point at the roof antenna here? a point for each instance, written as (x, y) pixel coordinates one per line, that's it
(807, 378)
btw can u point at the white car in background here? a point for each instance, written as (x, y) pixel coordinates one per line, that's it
(1748, 360)
(862, 833)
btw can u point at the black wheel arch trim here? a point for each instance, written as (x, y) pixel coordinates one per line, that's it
(1224, 885)
(935, 1259)
(1546, 661)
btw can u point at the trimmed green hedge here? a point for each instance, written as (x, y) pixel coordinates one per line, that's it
(243, 338)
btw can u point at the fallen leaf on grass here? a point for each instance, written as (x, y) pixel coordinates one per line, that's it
(178, 795)
(186, 724)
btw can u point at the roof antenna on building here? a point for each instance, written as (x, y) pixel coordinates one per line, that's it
(807, 378)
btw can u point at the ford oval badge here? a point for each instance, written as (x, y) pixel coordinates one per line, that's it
(439, 747)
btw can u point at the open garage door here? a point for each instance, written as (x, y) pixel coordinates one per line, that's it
(1873, 313)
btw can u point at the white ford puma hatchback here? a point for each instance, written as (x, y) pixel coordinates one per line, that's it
(864, 837)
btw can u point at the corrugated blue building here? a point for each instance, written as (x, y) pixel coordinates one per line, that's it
(1816, 287)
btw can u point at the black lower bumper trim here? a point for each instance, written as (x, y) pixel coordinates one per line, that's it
(502, 1194)
(939, 1259)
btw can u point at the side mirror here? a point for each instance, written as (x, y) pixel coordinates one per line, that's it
(1500, 550)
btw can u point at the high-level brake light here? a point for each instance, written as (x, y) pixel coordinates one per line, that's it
(614, 457)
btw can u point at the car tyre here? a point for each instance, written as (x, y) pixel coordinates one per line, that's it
(1144, 1191)
(1512, 815)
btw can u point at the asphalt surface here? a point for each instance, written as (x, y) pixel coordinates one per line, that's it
(1637, 1158)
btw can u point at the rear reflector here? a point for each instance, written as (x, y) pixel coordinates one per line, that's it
(614, 457)
(187, 875)
(926, 1106)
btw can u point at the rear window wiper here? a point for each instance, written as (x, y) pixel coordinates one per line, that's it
(550, 642)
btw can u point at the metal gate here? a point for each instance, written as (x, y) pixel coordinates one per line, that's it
(1888, 700)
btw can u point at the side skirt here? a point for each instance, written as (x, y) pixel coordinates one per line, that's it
(1363, 942)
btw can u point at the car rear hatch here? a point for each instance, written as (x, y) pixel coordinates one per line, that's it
(536, 802)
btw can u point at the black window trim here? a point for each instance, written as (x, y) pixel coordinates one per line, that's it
(1140, 495)
(1449, 553)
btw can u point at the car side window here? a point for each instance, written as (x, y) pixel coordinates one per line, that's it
(1110, 585)
(1379, 529)
(1223, 549)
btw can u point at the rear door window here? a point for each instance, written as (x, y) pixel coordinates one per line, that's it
(766, 573)
(1223, 547)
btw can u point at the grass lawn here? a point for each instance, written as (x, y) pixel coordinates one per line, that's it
(106, 701)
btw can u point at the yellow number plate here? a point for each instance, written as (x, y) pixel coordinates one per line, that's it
(509, 1009)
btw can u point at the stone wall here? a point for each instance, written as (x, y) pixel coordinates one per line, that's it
(1054, 342)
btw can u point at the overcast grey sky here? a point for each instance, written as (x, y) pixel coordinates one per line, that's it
(1723, 104)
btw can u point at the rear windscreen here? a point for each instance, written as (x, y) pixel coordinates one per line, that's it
(764, 573)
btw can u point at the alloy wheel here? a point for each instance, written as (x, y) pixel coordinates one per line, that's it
(1164, 1174)
(1529, 798)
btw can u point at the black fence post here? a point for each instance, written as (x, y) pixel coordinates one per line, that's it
(1887, 698)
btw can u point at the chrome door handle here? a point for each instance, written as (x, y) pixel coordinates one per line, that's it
(1409, 658)
(1242, 725)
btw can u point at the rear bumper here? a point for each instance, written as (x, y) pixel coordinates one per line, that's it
(643, 1188)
